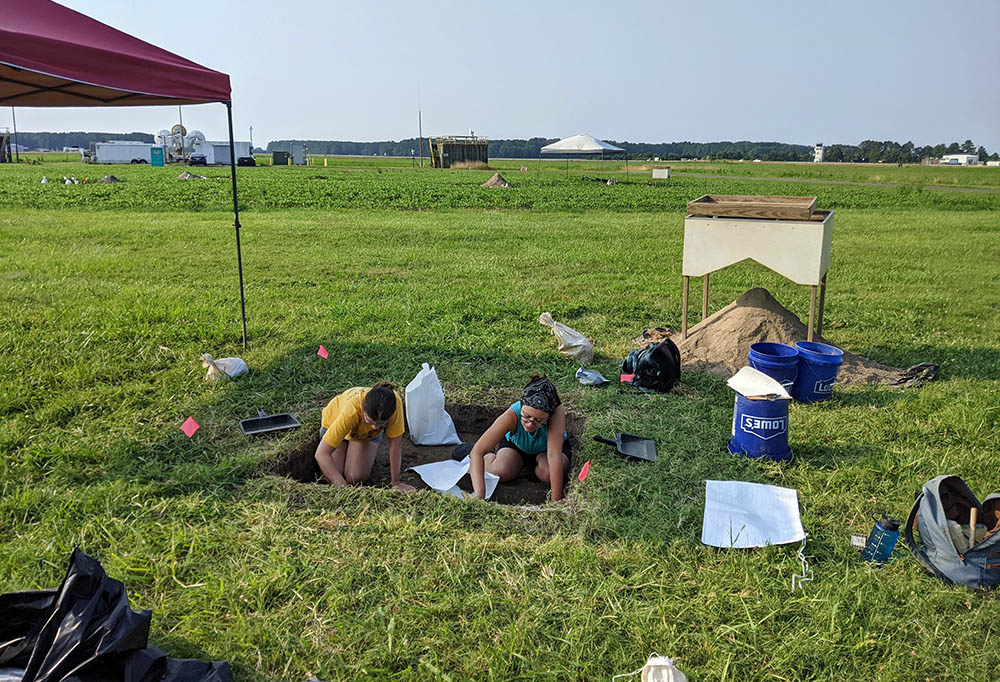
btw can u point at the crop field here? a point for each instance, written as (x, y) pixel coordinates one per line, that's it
(110, 293)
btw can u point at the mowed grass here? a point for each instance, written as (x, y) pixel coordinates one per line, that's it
(107, 311)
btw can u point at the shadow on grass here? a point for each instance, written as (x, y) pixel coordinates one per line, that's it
(961, 362)
(219, 457)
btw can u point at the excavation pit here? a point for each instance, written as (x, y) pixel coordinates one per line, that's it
(470, 422)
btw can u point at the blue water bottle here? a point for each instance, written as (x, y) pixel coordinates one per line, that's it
(881, 540)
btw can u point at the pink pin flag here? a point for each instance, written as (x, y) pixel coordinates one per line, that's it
(625, 378)
(322, 352)
(584, 470)
(190, 426)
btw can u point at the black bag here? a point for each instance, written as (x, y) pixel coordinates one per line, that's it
(939, 511)
(86, 631)
(657, 367)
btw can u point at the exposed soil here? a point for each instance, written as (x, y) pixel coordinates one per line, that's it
(470, 422)
(496, 181)
(718, 345)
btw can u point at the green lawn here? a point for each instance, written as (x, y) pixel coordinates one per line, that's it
(110, 296)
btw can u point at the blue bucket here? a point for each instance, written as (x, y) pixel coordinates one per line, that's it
(776, 360)
(818, 365)
(760, 429)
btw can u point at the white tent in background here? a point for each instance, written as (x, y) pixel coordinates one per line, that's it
(581, 144)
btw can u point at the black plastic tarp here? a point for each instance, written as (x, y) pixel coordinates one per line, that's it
(85, 631)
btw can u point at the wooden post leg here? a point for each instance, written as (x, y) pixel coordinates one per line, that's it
(704, 298)
(684, 310)
(812, 313)
(822, 302)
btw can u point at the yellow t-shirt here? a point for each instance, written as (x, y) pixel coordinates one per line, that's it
(344, 418)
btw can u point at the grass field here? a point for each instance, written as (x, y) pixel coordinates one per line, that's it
(111, 292)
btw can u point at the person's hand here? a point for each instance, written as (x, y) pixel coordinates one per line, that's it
(404, 487)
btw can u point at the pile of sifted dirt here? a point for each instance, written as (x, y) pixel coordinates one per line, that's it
(107, 179)
(719, 344)
(496, 181)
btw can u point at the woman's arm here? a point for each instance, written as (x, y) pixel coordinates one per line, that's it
(395, 458)
(324, 457)
(505, 423)
(557, 427)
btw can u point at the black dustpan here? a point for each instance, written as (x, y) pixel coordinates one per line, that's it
(266, 423)
(631, 445)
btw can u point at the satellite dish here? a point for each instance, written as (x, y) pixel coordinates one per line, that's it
(178, 129)
(163, 137)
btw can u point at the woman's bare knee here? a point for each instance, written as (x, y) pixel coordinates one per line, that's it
(356, 477)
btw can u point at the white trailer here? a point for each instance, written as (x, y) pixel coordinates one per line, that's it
(217, 151)
(121, 152)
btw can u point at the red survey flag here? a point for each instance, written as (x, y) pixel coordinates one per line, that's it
(322, 352)
(190, 426)
(584, 470)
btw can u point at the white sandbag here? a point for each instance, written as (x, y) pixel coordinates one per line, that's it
(426, 418)
(572, 343)
(223, 367)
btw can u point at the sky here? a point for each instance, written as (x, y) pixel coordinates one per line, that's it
(640, 71)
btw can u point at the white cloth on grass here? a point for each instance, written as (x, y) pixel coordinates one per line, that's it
(740, 514)
(444, 476)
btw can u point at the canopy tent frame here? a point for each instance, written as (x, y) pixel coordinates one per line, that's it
(53, 56)
(581, 144)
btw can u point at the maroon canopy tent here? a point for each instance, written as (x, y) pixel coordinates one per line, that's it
(52, 56)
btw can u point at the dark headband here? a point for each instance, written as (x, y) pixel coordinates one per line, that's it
(541, 395)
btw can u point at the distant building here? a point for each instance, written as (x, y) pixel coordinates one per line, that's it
(993, 163)
(818, 153)
(455, 149)
(960, 160)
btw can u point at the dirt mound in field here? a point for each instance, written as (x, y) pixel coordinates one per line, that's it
(188, 175)
(719, 344)
(496, 181)
(108, 179)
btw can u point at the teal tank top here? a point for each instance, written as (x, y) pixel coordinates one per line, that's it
(529, 443)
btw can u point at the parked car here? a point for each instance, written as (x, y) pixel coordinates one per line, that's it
(246, 161)
(197, 160)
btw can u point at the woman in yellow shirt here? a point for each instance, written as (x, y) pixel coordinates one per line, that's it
(352, 427)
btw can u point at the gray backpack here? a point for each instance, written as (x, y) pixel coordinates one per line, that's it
(939, 513)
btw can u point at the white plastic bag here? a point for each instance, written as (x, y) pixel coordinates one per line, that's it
(572, 343)
(223, 367)
(657, 669)
(429, 424)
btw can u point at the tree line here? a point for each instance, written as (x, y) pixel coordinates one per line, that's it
(56, 141)
(871, 151)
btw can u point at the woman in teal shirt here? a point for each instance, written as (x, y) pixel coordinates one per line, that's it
(532, 431)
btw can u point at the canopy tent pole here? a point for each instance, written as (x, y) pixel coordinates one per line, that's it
(626, 165)
(17, 153)
(236, 218)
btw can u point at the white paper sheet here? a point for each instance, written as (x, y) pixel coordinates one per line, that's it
(444, 476)
(752, 382)
(740, 514)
